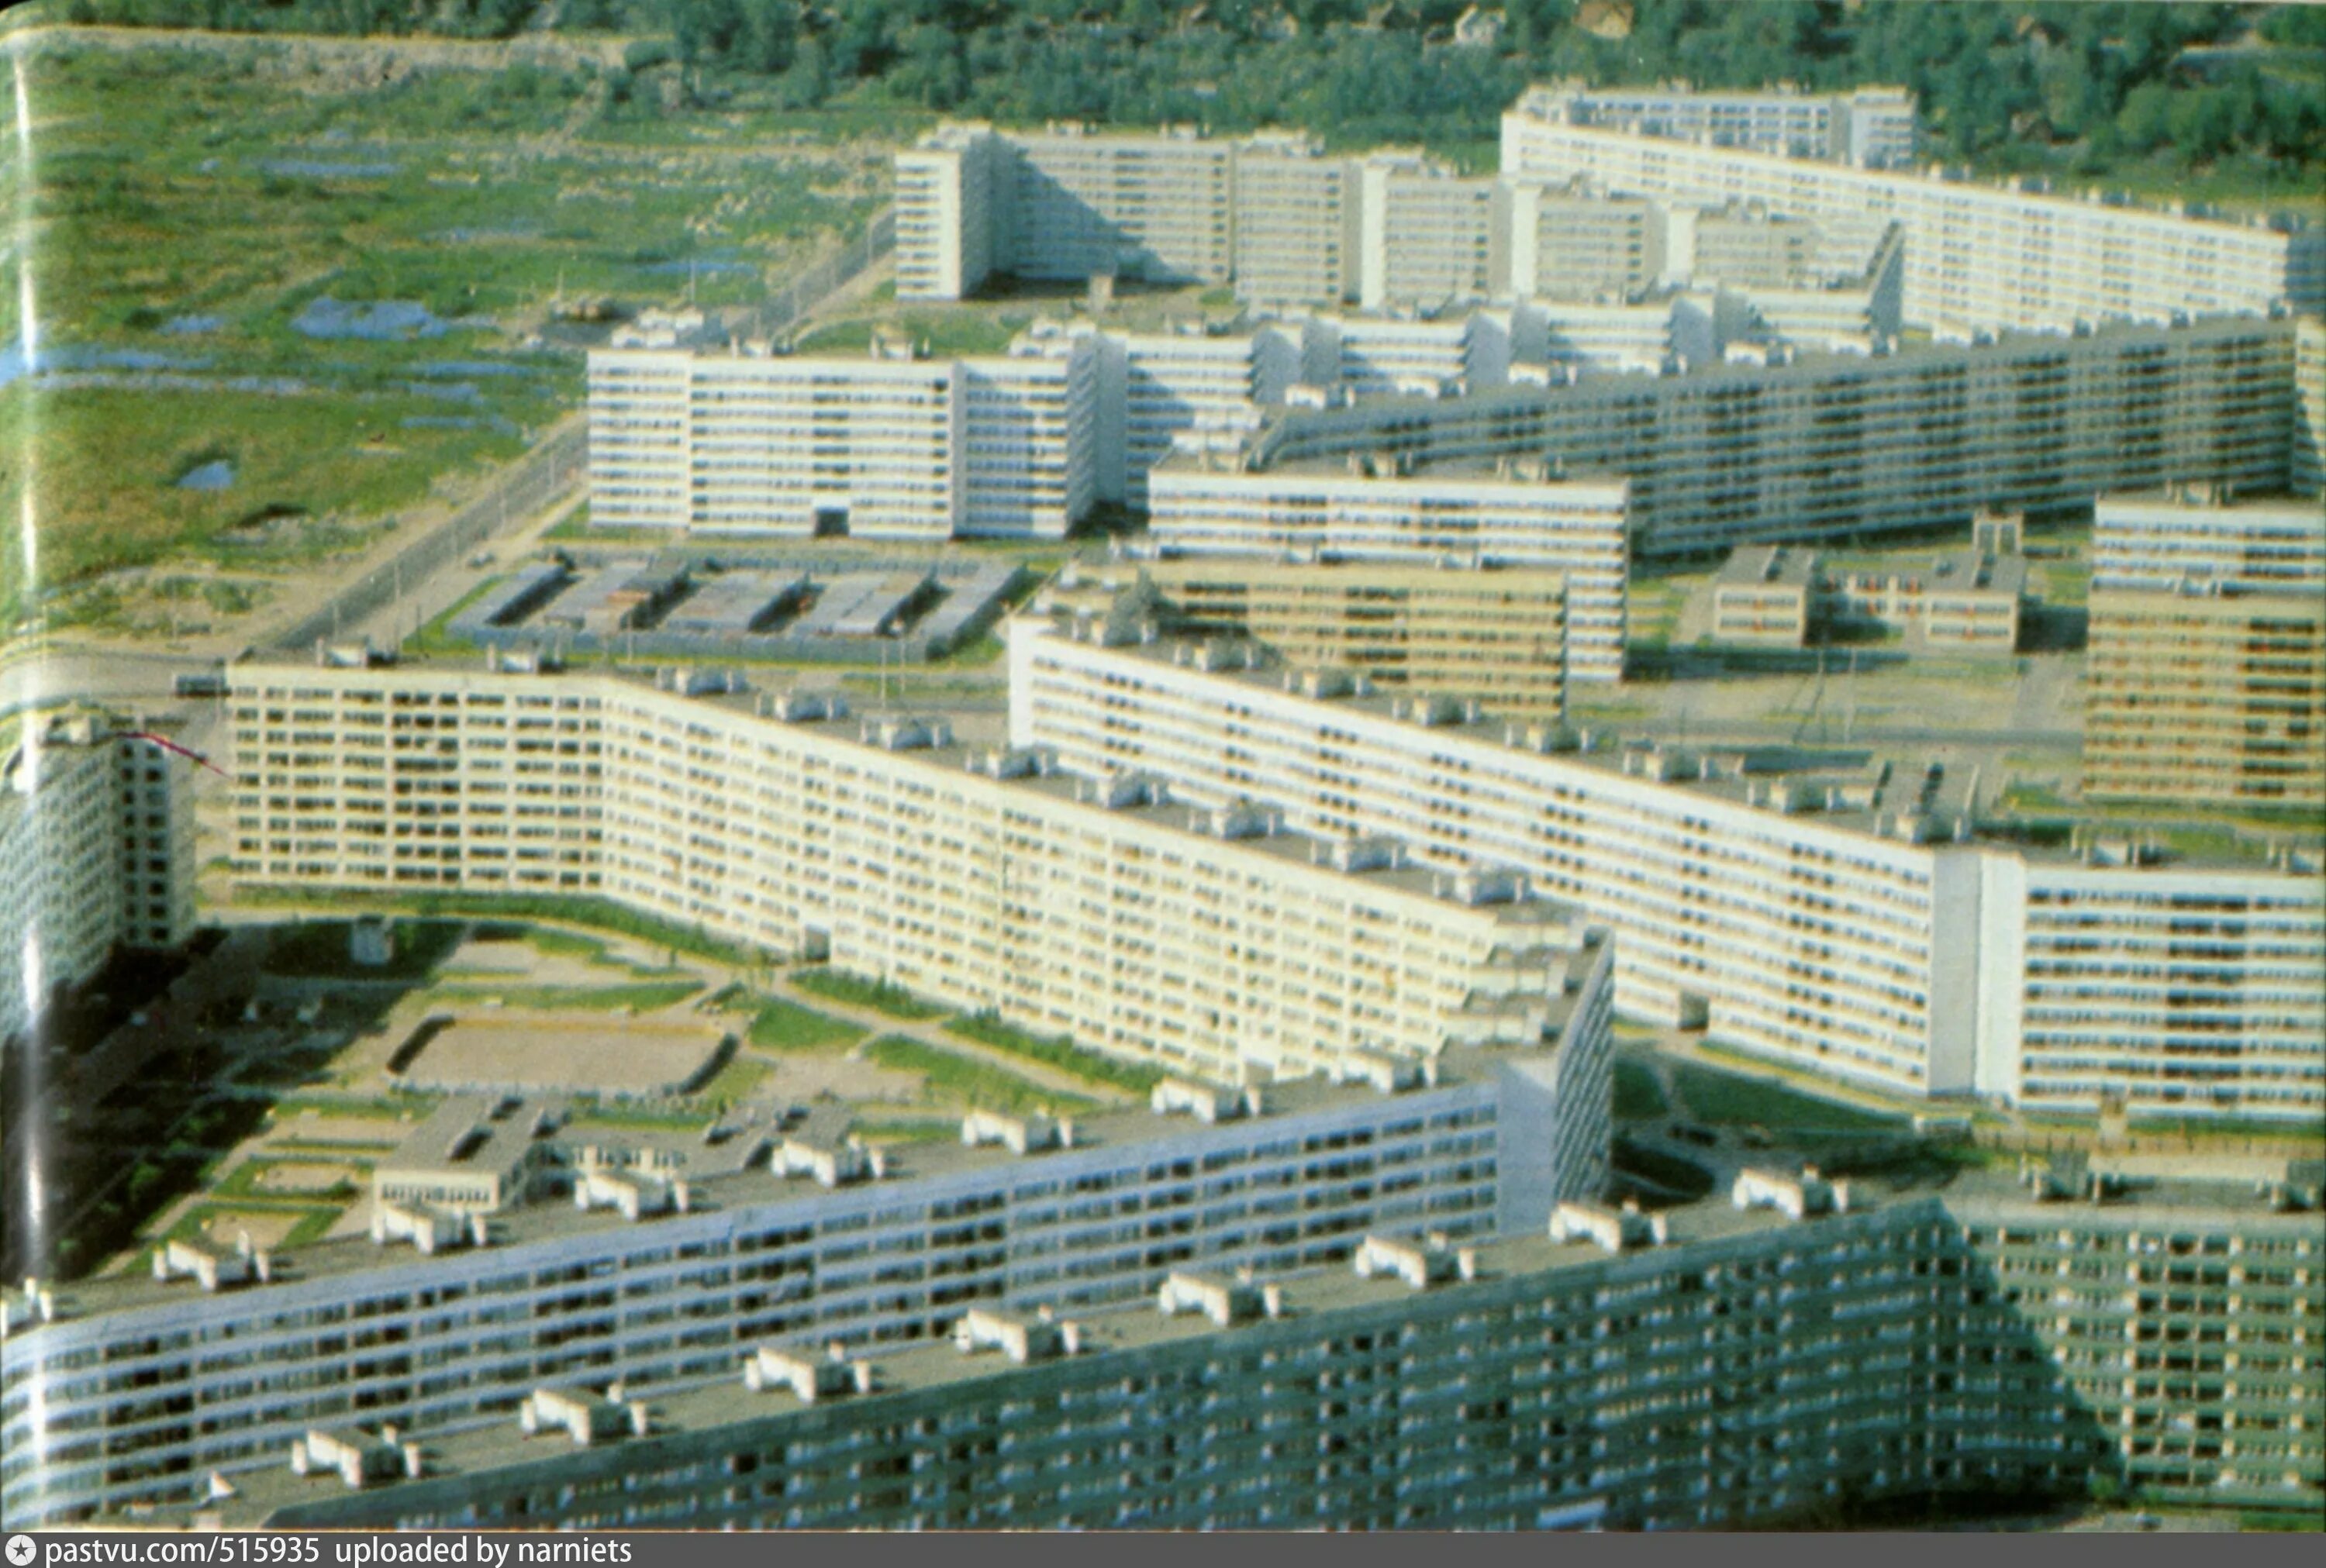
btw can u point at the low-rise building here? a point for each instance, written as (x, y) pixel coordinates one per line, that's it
(1763, 594)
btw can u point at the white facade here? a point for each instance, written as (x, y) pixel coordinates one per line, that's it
(2160, 543)
(966, 876)
(1976, 255)
(879, 447)
(138, 1390)
(95, 853)
(796, 446)
(1508, 516)
(1816, 447)
(1870, 127)
(1425, 236)
(1852, 928)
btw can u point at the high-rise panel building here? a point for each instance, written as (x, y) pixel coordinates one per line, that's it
(1822, 445)
(2205, 674)
(1977, 256)
(1869, 127)
(1477, 637)
(1295, 223)
(1510, 514)
(1226, 946)
(1844, 917)
(1975, 1343)
(96, 849)
(1425, 236)
(798, 1238)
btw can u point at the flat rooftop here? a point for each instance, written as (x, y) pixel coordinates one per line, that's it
(1977, 1199)
(1867, 783)
(708, 1157)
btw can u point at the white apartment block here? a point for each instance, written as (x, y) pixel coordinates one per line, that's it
(1818, 447)
(1201, 389)
(1976, 255)
(1564, 242)
(951, 214)
(96, 852)
(2309, 467)
(1381, 355)
(1872, 127)
(1205, 941)
(879, 447)
(2161, 542)
(1851, 925)
(1296, 224)
(135, 1389)
(1515, 512)
(1653, 337)
(776, 444)
(1425, 236)
(1030, 438)
(1063, 203)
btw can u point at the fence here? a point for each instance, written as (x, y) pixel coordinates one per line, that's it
(807, 290)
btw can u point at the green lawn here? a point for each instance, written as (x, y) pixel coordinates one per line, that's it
(598, 913)
(944, 334)
(1638, 1096)
(1058, 1051)
(199, 203)
(903, 1131)
(288, 1108)
(1730, 1098)
(782, 1025)
(881, 995)
(945, 1076)
(734, 1082)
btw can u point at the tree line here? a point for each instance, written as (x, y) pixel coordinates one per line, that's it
(2074, 88)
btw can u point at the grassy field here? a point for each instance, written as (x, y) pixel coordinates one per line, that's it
(1638, 1096)
(191, 208)
(881, 995)
(1058, 1053)
(947, 1077)
(1732, 1099)
(782, 1025)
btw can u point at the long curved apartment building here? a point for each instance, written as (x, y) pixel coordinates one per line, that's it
(1806, 907)
(1827, 446)
(1977, 255)
(1206, 940)
(128, 1390)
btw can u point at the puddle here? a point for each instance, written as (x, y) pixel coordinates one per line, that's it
(214, 475)
(378, 321)
(70, 357)
(316, 168)
(439, 367)
(189, 325)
